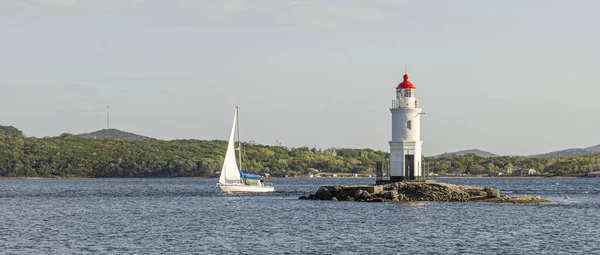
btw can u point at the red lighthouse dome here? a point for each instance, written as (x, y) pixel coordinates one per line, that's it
(406, 84)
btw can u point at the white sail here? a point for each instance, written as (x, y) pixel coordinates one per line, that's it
(230, 172)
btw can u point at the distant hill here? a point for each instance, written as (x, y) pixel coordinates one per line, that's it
(593, 150)
(477, 152)
(10, 131)
(114, 133)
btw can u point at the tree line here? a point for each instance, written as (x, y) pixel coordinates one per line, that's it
(72, 156)
(471, 164)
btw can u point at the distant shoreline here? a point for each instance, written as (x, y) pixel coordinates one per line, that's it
(507, 177)
(121, 156)
(300, 177)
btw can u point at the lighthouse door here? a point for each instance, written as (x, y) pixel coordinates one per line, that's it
(409, 167)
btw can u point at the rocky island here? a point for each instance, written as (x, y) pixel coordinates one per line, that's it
(418, 191)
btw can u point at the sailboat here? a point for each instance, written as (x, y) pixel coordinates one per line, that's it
(232, 178)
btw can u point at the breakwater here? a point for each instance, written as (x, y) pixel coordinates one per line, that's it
(418, 191)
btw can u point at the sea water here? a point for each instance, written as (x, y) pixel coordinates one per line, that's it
(192, 216)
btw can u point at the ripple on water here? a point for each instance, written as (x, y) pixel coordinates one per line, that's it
(191, 215)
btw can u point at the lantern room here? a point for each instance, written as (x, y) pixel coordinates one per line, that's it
(405, 88)
(405, 95)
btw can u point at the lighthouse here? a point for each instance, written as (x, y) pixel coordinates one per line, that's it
(405, 146)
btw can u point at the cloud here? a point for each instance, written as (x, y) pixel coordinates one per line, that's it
(303, 12)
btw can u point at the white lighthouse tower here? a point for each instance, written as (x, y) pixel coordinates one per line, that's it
(405, 146)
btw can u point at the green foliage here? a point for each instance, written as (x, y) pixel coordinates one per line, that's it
(113, 133)
(73, 156)
(475, 165)
(10, 131)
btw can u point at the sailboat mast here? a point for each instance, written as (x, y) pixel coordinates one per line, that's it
(237, 109)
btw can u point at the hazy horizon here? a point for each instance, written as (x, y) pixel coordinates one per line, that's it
(511, 77)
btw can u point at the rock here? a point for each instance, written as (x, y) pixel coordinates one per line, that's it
(323, 194)
(391, 194)
(492, 193)
(417, 191)
(349, 192)
(477, 193)
(361, 194)
(358, 194)
(303, 198)
(391, 186)
(337, 192)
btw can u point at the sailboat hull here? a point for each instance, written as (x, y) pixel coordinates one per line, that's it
(245, 188)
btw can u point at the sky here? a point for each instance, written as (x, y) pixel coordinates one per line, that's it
(510, 77)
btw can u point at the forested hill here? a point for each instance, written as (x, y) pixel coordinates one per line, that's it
(114, 133)
(475, 165)
(73, 156)
(571, 152)
(477, 152)
(10, 131)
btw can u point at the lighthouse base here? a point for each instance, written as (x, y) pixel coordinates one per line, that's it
(405, 178)
(393, 179)
(405, 160)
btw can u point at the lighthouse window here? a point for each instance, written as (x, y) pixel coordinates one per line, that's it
(409, 125)
(407, 93)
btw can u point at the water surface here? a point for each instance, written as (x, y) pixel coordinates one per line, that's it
(192, 216)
